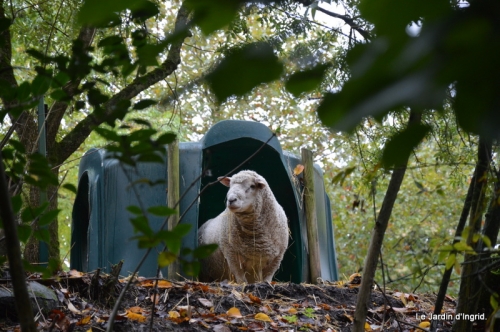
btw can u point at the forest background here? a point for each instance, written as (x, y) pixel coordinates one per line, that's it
(144, 72)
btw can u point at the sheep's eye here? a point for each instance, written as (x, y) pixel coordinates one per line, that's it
(252, 186)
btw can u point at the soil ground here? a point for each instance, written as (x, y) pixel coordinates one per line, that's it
(86, 305)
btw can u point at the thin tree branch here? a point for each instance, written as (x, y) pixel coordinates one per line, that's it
(378, 238)
(348, 20)
(81, 131)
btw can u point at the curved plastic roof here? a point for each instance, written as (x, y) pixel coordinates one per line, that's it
(229, 130)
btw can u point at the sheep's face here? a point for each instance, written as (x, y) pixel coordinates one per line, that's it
(242, 191)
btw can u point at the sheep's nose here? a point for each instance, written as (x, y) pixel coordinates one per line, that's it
(231, 200)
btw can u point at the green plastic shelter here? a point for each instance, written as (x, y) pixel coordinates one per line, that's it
(102, 233)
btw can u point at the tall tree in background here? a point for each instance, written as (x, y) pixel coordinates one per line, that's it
(80, 82)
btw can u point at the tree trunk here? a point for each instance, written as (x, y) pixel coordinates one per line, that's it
(447, 273)
(489, 282)
(21, 296)
(378, 233)
(469, 287)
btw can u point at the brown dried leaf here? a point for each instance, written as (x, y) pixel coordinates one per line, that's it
(76, 274)
(234, 313)
(84, 321)
(254, 298)
(162, 284)
(174, 314)
(262, 317)
(137, 317)
(298, 169)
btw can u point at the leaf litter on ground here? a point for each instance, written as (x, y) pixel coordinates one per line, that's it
(226, 306)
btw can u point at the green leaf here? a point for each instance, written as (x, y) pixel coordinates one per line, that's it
(444, 252)
(146, 241)
(462, 246)
(204, 251)
(486, 241)
(307, 80)
(141, 224)
(60, 95)
(181, 230)
(101, 13)
(173, 244)
(211, 15)
(166, 138)
(40, 173)
(145, 103)
(166, 258)
(108, 134)
(23, 232)
(141, 135)
(37, 55)
(40, 85)
(60, 80)
(450, 261)
(17, 203)
(494, 301)
(340, 177)
(161, 211)
(142, 10)
(419, 185)
(134, 209)
(400, 146)
(142, 122)
(29, 214)
(17, 145)
(147, 54)
(69, 186)
(48, 217)
(243, 69)
(42, 234)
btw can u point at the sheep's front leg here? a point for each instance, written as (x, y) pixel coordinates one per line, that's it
(237, 266)
(271, 268)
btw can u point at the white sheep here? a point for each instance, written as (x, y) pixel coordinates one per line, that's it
(252, 233)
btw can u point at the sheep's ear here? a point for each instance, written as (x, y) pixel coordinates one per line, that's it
(224, 180)
(260, 182)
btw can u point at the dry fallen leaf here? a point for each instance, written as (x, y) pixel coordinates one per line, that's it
(263, 317)
(174, 314)
(234, 313)
(162, 284)
(137, 317)
(237, 294)
(136, 310)
(221, 328)
(298, 169)
(367, 327)
(205, 302)
(72, 308)
(84, 321)
(254, 299)
(76, 274)
(355, 279)
(424, 324)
